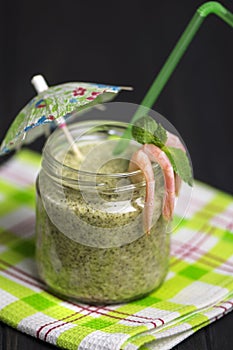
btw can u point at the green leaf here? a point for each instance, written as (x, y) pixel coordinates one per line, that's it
(180, 163)
(143, 130)
(146, 130)
(161, 134)
(147, 123)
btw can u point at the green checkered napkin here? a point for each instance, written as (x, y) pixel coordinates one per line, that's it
(198, 289)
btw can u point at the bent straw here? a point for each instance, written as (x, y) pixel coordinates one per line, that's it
(40, 85)
(172, 61)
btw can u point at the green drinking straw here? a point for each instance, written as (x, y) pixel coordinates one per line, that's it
(173, 59)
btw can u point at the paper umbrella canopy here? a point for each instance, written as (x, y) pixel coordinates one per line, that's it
(53, 104)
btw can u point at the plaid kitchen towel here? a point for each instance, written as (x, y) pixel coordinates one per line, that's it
(198, 289)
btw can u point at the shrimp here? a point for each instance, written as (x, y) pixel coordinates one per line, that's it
(141, 161)
(174, 141)
(155, 154)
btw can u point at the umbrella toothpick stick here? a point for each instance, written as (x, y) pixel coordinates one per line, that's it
(127, 88)
(40, 85)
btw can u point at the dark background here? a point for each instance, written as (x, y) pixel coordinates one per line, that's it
(126, 43)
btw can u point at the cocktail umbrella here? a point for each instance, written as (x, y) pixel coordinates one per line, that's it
(54, 104)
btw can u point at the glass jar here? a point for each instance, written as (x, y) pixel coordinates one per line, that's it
(90, 242)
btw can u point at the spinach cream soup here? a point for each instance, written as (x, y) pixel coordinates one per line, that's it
(91, 244)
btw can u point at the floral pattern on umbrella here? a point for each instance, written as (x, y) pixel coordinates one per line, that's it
(53, 104)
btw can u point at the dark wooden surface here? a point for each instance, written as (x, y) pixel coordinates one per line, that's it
(217, 336)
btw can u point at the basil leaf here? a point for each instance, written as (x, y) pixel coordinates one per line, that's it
(161, 134)
(180, 163)
(143, 130)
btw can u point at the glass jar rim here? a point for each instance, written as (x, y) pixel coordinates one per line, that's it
(50, 163)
